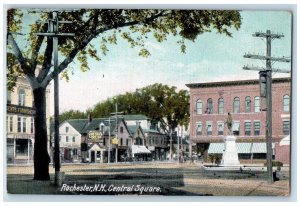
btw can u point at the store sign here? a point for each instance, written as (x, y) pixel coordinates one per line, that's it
(16, 109)
(114, 141)
(94, 135)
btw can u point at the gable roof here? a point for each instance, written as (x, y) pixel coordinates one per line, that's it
(133, 128)
(77, 124)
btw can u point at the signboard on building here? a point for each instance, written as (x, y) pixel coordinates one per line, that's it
(16, 109)
(94, 135)
(114, 141)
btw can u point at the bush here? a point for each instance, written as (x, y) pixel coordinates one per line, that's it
(275, 163)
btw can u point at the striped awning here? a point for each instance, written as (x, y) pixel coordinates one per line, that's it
(242, 148)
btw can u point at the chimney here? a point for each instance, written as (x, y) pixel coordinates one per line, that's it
(89, 118)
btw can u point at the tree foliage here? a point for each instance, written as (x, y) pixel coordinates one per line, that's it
(158, 102)
(108, 26)
(71, 114)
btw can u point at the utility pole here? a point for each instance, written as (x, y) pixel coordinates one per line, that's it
(265, 77)
(116, 115)
(53, 33)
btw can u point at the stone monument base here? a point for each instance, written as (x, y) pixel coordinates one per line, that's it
(230, 155)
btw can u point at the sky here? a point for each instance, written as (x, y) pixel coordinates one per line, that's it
(211, 57)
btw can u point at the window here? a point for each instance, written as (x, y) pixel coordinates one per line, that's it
(256, 128)
(73, 139)
(21, 96)
(247, 128)
(98, 154)
(9, 123)
(67, 138)
(236, 105)
(198, 128)
(121, 130)
(19, 124)
(247, 104)
(199, 106)
(24, 124)
(221, 106)
(208, 128)
(286, 103)
(127, 142)
(236, 128)
(67, 129)
(209, 106)
(286, 127)
(8, 97)
(256, 104)
(31, 125)
(121, 140)
(220, 128)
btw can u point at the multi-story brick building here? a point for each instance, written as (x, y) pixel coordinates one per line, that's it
(20, 121)
(211, 102)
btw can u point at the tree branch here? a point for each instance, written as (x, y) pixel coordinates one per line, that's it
(38, 46)
(47, 60)
(63, 65)
(18, 54)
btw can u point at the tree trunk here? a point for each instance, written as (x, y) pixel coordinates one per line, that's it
(41, 156)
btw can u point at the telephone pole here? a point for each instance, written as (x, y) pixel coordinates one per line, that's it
(265, 82)
(54, 34)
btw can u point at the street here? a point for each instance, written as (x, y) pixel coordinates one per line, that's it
(152, 178)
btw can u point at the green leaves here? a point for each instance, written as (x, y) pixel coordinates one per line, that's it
(112, 25)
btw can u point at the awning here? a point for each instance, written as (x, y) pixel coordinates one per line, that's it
(242, 148)
(285, 141)
(139, 149)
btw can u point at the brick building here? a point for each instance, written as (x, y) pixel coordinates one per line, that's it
(211, 102)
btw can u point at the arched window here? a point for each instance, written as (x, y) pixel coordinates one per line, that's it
(256, 104)
(21, 96)
(247, 104)
(286, 103)
(199, 106)
(221, 106)
(236, 105)
(209, 106)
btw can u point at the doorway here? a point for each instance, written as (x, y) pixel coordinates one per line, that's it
(92, 156)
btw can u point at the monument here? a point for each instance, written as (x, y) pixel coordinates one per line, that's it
(230, 155)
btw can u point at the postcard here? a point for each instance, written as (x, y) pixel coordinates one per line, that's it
(169, 102)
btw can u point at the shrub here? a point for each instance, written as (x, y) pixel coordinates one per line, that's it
(275, 163)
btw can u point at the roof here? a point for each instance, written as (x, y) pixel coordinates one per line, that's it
(132, 117)
(232, 83)
(133, 128)
(77, 124)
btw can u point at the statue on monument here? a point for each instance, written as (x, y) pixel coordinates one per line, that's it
(229, 123)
